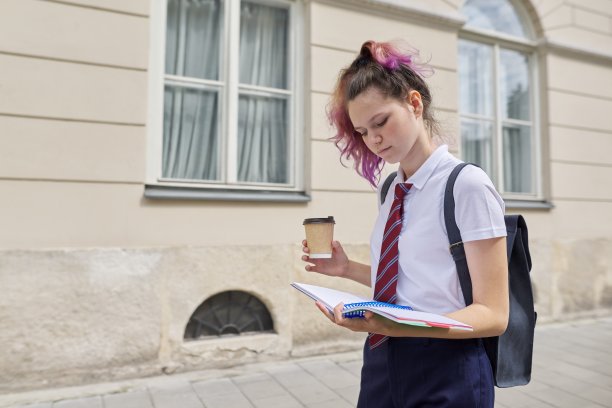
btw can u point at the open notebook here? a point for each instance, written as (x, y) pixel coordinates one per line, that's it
(355, 306)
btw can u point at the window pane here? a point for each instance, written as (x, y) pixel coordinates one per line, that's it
(476, 78)
(191, 138)
(496, 15)
(517, 159)
(193, 38)
(263, 154)
(514, 81)
(263, 45)
(477, 143)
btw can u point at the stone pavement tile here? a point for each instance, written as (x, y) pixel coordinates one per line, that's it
(599, 395)
(330, 373)
(604, 369)
(37, 405)
(596, 333)
(598, 355)
(556, 380)
(279, 401)
(586, 375)
(90, 402)
(570, 352)
(579, 359)
(175, 394)
(132, 399)
(303, 386)
(534, 385)
(353, 367)
(335, 403)
(582, 338)
(350, 394)
(589, 344)
(263, 391)
(220, 393)
(562, 399)
(514, 398)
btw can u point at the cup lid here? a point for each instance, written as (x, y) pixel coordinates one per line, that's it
(328, 220)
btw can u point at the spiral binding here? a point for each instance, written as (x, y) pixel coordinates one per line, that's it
(349, 313)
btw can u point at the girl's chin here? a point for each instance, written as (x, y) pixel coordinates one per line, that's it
(390, 158)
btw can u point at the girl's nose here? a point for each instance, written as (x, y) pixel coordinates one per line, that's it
(376, 138)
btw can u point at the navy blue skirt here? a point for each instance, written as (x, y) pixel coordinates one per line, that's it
(410, 372)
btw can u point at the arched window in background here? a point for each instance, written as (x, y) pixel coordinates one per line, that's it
(498, 96)
(229, 313)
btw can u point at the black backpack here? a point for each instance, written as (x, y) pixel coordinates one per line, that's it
(511, 353)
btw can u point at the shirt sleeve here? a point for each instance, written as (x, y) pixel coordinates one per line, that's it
(479, 209)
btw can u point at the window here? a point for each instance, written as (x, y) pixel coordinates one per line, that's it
(229, 313)
(498, 109)
(228, 117)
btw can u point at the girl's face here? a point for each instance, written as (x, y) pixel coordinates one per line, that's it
(389, 126)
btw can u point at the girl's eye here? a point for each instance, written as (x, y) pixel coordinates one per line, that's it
(383, 122)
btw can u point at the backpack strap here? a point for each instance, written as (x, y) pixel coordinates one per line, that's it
(385, 187)
(454, 236)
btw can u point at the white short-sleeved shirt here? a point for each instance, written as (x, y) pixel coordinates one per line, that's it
(427, 278)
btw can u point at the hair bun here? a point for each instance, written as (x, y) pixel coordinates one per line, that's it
(392, 55)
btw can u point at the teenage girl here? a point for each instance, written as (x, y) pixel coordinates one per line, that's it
(381, 109)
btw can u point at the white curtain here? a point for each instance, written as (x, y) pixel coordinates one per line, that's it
(517, 159)
(476, 99)
(477, 144)
(191, 138)
(263, 153)
(190, 148)
(515, 104)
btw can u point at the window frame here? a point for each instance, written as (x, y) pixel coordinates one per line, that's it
(228, 185)
(498, 41)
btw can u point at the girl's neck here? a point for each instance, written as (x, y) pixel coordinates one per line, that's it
(420, 152)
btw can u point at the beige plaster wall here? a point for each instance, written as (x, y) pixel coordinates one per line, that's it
(582, 24)
(99, 283)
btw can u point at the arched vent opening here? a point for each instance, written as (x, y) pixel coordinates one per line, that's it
(229, 313)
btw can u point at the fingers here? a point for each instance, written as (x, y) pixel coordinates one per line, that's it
(338, 318)
(312, 264)
(324, 310)
(357, 325)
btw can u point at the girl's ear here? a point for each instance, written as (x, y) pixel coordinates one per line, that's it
(415, 102)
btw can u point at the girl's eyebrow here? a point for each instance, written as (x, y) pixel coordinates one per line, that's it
(372, 119)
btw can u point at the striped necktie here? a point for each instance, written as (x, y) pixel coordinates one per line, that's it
(386, 276)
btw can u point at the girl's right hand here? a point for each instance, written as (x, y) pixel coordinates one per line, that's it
(337, 265)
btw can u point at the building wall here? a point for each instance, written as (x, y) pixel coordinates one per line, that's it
(573, 241)
(98, 282)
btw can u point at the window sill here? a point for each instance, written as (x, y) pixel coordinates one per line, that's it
(155, 192)
(528, 205)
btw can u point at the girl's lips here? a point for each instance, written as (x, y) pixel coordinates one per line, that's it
(384, 150)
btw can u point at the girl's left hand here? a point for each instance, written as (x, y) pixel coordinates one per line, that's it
(370, 323)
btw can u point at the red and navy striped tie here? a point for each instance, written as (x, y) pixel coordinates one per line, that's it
(386, 276)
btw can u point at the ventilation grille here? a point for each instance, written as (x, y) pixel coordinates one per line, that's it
(229, 313)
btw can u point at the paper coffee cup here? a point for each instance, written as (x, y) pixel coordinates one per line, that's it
(319, 235)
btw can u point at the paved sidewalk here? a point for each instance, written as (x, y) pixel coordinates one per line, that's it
(572, 369)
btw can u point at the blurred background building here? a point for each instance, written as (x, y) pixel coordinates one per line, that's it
(157, 159)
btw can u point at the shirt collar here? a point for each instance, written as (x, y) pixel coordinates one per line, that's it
(420, 177)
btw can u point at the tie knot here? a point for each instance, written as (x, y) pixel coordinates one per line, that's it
(401, 189)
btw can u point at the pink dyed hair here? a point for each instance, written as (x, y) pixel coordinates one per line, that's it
(392, 68)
